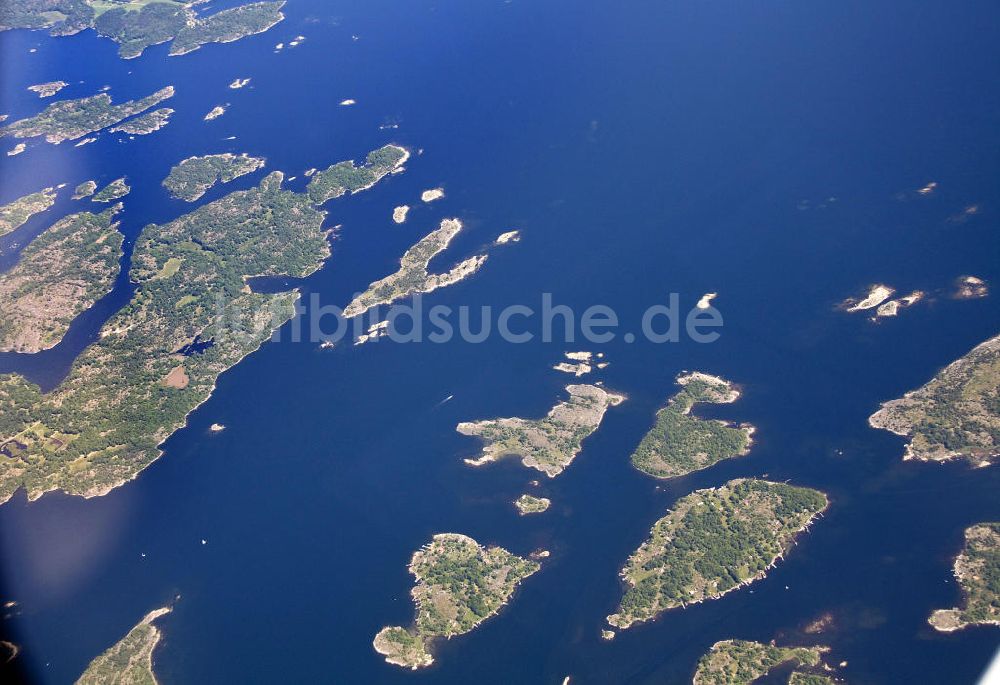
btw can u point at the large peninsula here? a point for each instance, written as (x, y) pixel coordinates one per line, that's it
(138, 24)
(680, 443)
(977, 569)
(192, 178)
(130, 660)
(61, 273)
(15, 214)
(548, 444)
(460, 584)
(712, 542)
(134, 387)
(72, 119)
(742, 662)
(956, 414)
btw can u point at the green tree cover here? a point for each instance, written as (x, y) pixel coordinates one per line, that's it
(956, 414)
(679, 443)
(548, 444)
(529, 504)
(460, 583)
(190, 179)
(138, 24)
(978, 571)
(345, 177)
(114, 190)
(130, 660)
(412, 276)
(61, 273)
(72, 119)
(145, 123)
(15, 214)
(131, 389)
(741, 662)
(711, 542)
(85, 189)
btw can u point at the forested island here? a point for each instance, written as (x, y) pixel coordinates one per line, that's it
(85, 189)
(192, 178)
(460, 584)
(346, 177)
(977, 570)
(130, 660)
(15, 214)
(47, 90)
(60, 274)
(138, 24)
(145, 123)
(131, 389)
(412, 276)
(680, 443)
(741, 662)
(529, 504)
(548, 444)
(712, 542)
(113, 191)
(72, 119)
(956, 414)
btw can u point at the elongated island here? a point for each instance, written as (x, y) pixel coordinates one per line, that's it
(712, 542)
(742, 662)
(977, 570)
(460, 584)
(130, 660)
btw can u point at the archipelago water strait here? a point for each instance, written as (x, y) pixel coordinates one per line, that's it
(548, 342)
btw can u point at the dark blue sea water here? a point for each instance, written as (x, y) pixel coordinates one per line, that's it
(643, 149)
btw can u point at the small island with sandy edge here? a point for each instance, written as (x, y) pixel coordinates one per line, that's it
(459, 584)
(529, 504)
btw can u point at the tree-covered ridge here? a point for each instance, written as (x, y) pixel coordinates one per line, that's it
(15, 214)
(741, 662)
(548, 444)
(345, 177)
(412, 276)
(60, 274)
(138, 24)
(135, 386)
(977, 569)
(145, 123)
(680, 443)
(130, 660)
(72, 119)
(114, 190)
(192, 178)
(957, 414)
(460, 583)
(712, 542)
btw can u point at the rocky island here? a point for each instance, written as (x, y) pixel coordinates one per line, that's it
(712, 542)
(460, 584)
(47, 90)
(412, 276)
(977, 569)
(529, 504)
(72, 119)
(138, 24)
(15, 214)
(955, 415)
(85, 189)
(680, 443)
(192, 178)
(548, 444)
(136, 384)
(130, 661)
(113, 191)
(145, 123)
(741, 662)
(60, 274)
